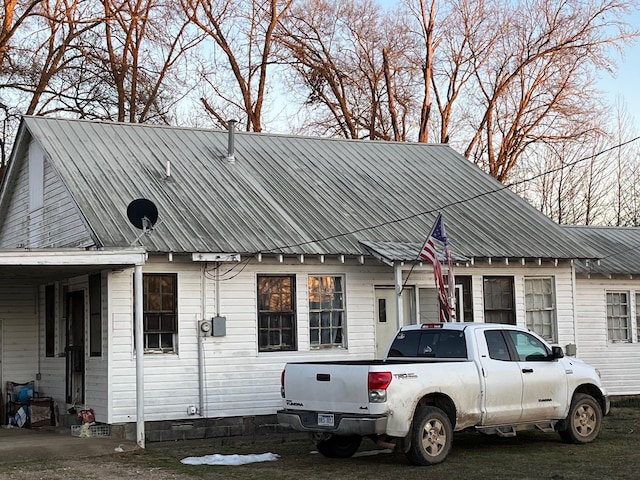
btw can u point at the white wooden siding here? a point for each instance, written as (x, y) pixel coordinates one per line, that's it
(14, 232)
(239, 380)
(619, 363)
(57, 224)
(18, 318)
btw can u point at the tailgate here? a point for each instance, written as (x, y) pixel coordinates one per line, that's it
(327, 387)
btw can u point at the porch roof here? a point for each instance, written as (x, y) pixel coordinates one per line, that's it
(391, 252)
(618, 249)
(44, 265)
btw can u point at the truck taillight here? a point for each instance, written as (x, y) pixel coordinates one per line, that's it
(282, 384)
(378, 384)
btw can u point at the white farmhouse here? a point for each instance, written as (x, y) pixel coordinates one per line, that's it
(255, 250)
(608, 305)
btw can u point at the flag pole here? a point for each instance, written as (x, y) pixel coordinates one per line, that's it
(413, 265)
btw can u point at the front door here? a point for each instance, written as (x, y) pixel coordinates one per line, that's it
(74, 349)
(386, 318)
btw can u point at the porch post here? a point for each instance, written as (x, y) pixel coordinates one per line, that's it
(397, 267)
(137, 284)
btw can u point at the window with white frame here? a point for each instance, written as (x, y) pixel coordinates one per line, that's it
(276, 313)
(326, 310)
(499, 305)
(618, 317)
(160, 313)
(541, 306)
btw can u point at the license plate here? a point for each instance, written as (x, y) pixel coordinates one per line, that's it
(325, 419)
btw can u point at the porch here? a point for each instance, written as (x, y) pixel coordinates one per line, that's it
(23, 445)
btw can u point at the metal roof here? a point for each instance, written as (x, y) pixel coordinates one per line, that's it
(618, 249)
(287, 194)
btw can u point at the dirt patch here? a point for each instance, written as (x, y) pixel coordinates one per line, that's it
(103, 468)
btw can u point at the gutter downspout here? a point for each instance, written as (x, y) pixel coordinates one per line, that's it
(203, 293)
(139, 330)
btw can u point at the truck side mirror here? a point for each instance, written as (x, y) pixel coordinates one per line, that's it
(556, 352)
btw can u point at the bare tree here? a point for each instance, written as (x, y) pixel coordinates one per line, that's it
(341, 55)
(14, 14)
(56, 47)
(505, 76)
(624, 165)
(243, 32)
(425, 12)
(537, 86)
(144, 40)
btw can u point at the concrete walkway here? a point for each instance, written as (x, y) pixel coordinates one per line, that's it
(21, 444)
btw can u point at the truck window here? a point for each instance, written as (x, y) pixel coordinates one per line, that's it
(429, 344)
(497, 345)
(529, 348)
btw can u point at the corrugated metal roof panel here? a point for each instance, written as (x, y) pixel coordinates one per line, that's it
(294, 195)
(618, 249)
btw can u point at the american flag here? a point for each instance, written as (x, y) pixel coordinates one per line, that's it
(428, 253)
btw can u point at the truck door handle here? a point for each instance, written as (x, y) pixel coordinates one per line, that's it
(527, 370)
(323, 377)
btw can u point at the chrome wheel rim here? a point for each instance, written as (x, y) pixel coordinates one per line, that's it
(585, 420)
(434, 437)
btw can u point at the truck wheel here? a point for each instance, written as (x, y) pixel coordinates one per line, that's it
(584, 421)
(431, 436)
(338, 446)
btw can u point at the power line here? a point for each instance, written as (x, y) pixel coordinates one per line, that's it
(240, 266)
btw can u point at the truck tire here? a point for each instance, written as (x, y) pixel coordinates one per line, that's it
(431, 436)
(339, 446)
(584, 421)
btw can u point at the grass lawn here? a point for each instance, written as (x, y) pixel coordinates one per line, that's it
(531, 455)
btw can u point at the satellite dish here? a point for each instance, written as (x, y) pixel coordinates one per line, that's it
(142, 213)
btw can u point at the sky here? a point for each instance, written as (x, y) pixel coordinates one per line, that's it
(626, 82)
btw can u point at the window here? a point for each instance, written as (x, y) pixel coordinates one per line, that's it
(276, 313)
(498, 300)
(382, 310)
(160, 316)
(464, 282)
(95, 315)
(431, 343)
(50, 320)
(540, 306)
(497, 345)
(618, 321)
(326, 311)
(528, 347)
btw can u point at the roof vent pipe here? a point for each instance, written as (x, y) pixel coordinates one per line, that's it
(231, 124)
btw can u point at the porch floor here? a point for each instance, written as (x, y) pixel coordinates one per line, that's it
(18, 445)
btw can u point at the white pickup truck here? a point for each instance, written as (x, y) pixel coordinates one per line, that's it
(440, 378)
